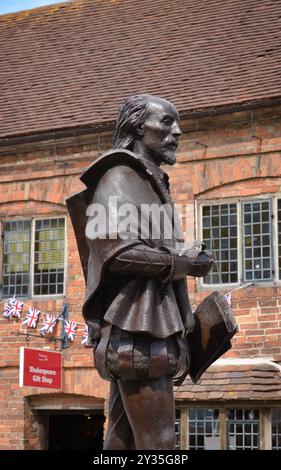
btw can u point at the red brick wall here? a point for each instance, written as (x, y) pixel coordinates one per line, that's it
(34, 181)
(240, 156)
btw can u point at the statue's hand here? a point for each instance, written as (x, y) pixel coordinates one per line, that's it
(198, 263)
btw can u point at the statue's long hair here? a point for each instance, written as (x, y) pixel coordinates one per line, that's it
(131, 115)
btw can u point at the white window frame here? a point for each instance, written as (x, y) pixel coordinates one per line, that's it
(199, 235)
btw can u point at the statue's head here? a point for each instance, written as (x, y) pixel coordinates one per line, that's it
(148, 125)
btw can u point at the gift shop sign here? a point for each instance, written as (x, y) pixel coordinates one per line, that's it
(40, 368)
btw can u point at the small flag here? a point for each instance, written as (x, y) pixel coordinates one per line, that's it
(70, 329)
(32, 317)
(85, 336)
(7, 310)
(49, 324)
(17, 306)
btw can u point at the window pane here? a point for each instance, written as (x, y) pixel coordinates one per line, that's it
(177, 428)
(16, 257)
(49, 256)
(204, 429)
(279, 235)
(243, 429)
(257, 240)
(276, 428)
(220, 235)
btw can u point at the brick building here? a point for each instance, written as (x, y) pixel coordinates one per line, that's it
(64, 71)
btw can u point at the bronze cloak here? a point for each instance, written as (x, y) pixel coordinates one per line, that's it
(133, 303)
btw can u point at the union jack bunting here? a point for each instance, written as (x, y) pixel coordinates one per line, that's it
(70, 329)
(7, 310)
(49, 324)
(32, 317)
(17, 306)
(85, 336)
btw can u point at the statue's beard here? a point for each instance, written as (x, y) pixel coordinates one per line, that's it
(169, 159)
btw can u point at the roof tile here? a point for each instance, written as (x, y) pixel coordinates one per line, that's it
(71, 64)
(241, 381)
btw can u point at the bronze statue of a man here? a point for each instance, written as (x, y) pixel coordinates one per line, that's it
(137, 305)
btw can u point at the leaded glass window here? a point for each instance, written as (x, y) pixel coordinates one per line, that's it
(49, 256)
(16, 257)
(279, 235)
(276, 428)
(242, 236)
(204, 429)
(220, 236)
(257, 240)
(177, 428)
(243, 429)
(45, 248)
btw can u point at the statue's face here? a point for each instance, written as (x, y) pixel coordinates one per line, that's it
(161, 131)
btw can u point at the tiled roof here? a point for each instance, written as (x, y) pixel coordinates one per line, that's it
(71, 64)
(229, 382)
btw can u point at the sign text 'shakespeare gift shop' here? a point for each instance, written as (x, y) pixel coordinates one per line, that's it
(40, 368)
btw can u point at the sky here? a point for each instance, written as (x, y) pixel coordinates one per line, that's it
(9, 6)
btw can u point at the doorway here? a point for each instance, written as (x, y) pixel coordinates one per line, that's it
(75, 430)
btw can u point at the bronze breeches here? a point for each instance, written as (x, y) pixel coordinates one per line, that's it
(125, 355)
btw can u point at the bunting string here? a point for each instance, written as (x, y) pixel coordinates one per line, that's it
(13, 310)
